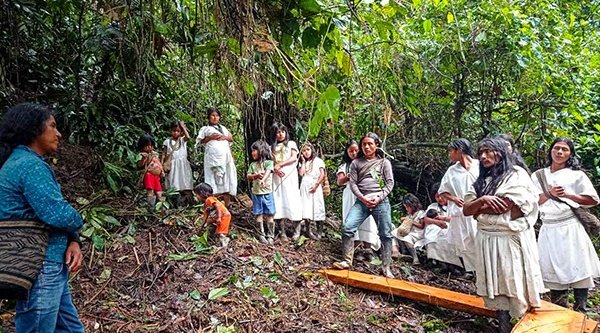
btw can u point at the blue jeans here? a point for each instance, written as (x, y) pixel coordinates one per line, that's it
(49, 307)
(382, 214)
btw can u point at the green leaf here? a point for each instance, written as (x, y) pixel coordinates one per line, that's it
(310, 6)
(311, 38)
(450, 17)
(98, 241)
(427, 25)
(328, 107)
(278, 259)
(217, 293)
(249, 88)
(344, 62)
(195, 295)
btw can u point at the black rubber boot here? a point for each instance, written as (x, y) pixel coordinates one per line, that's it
(320, 225)
(309, 232)
(560, 297)
(581, 295)
(297, 230)
(504, 324)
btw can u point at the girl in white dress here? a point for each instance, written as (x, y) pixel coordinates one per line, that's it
(175, 150)
(367, 232)
(219, 168)
(504, 202)
(415, 211)
(567, 256)
(312, 171)
(286, 192)
(454, 185)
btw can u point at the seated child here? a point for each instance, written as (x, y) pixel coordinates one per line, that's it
(204, 193)
(415, 213)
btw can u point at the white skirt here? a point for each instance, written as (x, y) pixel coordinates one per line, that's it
(567, 255)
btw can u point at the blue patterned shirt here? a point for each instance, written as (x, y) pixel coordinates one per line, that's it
(29, 191)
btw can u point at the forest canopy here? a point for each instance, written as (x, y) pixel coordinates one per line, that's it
(419, 73)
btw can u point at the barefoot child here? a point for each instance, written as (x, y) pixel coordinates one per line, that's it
(312, 171)
(260, 172)
(204, 193)
(153, 169)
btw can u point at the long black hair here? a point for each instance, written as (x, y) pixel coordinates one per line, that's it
(515, 154)
(412, 201)
(145, 140)
(263, 149)
(503, 167)
(572, 162)
(377, 141)
(278, 127)
(345, 157)
(21, 125)
(463, 144)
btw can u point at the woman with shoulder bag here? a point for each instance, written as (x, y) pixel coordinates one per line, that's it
(567, 256)
(29, 192)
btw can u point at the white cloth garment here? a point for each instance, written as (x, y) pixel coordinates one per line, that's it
(286, 191)
(462, 229)
(567, 255)
(415, 234)
(180, 177)
(313, 204)
(508, 271)
(367, 232)
(219, 168)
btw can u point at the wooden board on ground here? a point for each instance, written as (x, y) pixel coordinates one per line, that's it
(549, 318)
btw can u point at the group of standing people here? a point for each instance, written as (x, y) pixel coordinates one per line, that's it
(492, 205)
(172, 164)
(482, 219)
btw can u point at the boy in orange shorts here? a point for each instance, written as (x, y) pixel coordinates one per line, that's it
(204, 193)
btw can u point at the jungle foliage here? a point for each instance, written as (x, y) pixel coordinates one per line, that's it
(417, 72)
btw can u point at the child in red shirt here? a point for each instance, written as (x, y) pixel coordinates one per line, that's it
(204, 193)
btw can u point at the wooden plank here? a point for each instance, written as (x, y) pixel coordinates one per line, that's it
(549, 318)
(415, 291)
(553, 318)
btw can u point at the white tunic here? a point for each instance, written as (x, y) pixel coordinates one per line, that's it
(367, 232)
(219, 167)
(286, 192)
(180, 177)
(432, 231)
(415, 234)
(508, 271)
(567, 255)
(462, 229)
(313, 204)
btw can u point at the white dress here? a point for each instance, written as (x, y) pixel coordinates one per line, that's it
(508, 270)
(219, 167)
(367, 232)
(415, 234)
(436, 241)
(286, 192)
(462, 229)
(313, 204)
(567, 255)
(432, 231)
(180, 177)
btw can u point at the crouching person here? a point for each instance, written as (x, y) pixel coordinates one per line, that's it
(212, 205)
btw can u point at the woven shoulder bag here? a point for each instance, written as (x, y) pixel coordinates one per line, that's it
(22, 249)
